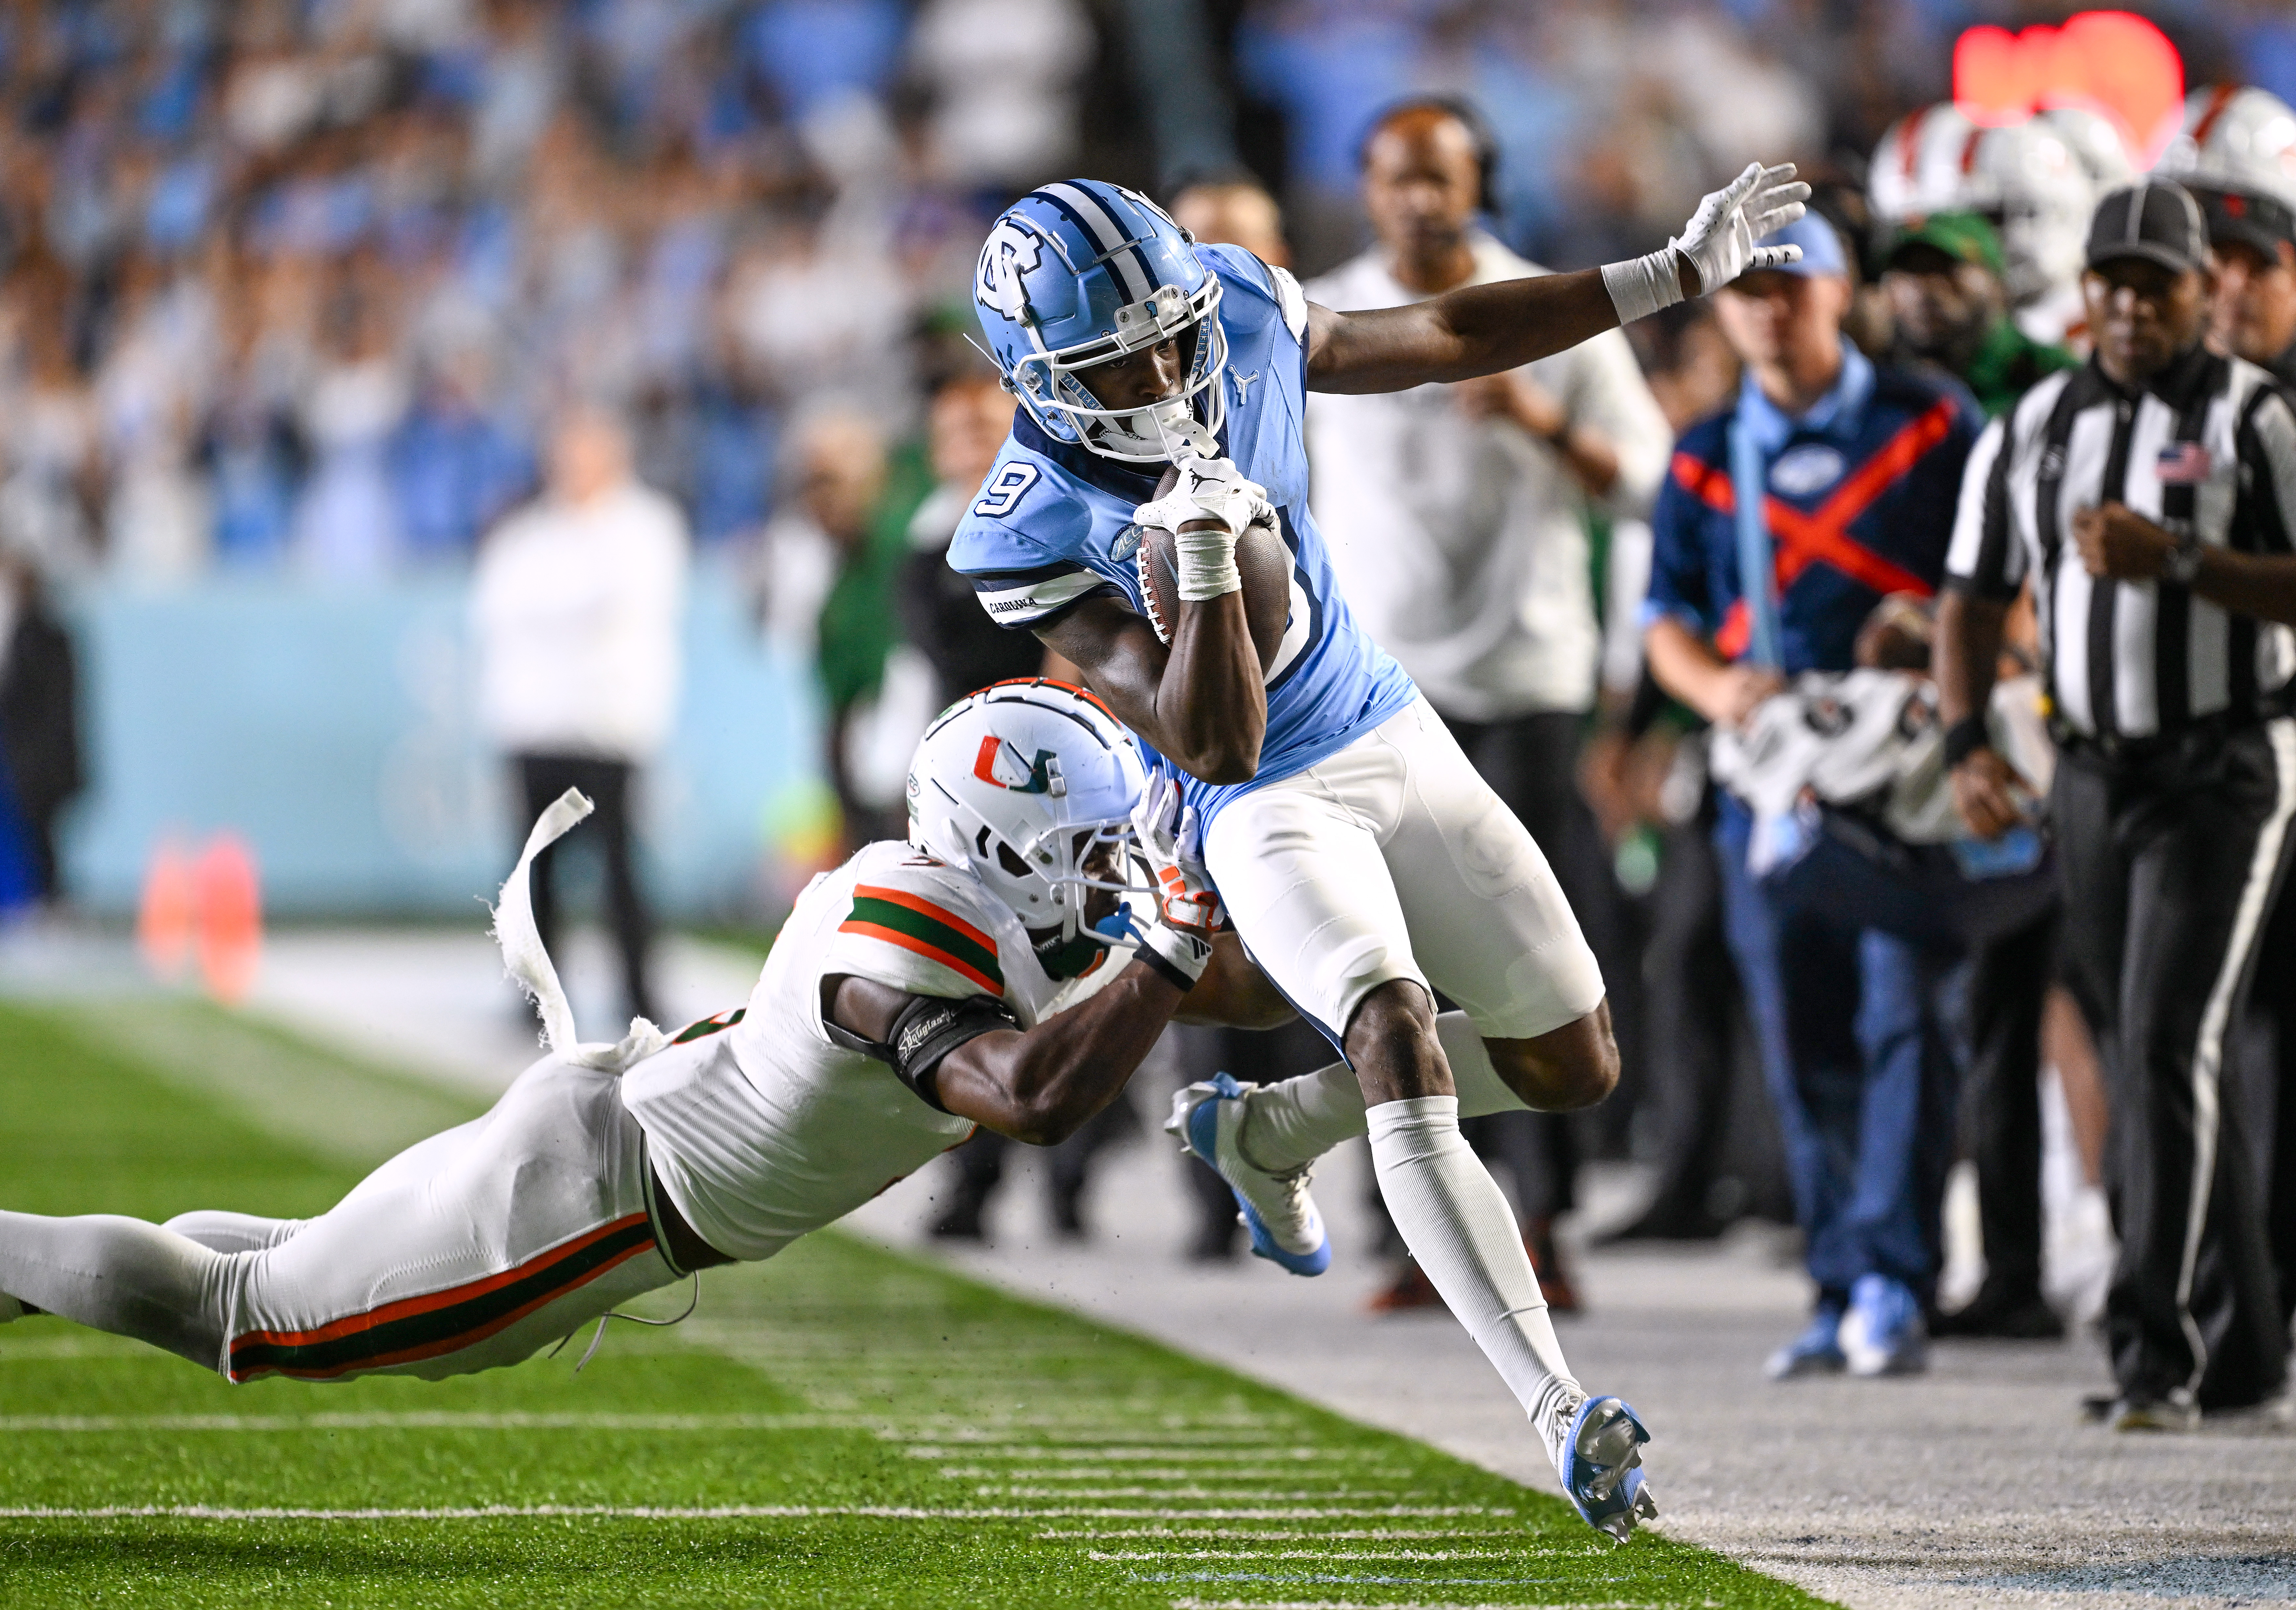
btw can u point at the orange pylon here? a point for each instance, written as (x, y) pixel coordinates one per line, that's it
(166, 916)
(230, 918)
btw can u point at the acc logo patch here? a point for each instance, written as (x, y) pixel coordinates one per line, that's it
(1009, 252)
(1126, 545)
(1810, 468)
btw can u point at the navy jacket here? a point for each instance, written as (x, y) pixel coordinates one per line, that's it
(1862, 495)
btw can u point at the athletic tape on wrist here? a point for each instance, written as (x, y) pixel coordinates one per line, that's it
(1641, 286)
(1204, 565)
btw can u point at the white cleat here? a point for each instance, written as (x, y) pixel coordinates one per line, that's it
(1278, 1210)
(1596, 1444)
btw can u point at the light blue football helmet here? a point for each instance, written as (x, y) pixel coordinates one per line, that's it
(1078, 273)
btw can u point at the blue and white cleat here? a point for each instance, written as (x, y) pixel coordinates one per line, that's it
(1278, 1210)
(1600, 1462)
(1883, 1333)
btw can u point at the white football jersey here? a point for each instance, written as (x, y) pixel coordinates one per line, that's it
(760, 1127)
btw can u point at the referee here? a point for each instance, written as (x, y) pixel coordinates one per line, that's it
(2147, 498)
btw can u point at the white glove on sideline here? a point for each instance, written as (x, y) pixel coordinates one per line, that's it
(1718, 240)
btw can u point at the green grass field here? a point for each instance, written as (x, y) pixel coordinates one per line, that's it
(841, 1426)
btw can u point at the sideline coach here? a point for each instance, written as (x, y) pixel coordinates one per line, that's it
(2147, 496)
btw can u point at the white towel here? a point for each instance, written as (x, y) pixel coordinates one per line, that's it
(530, 963)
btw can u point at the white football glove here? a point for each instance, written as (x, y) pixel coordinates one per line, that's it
(1720, 235)
(1208, 488)
(1188, 906)
(1718, 240)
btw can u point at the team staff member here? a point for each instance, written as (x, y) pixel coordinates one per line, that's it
(2157, 594)
(1456, 516)
(1857, 468)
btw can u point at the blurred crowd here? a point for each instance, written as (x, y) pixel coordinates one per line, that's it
(299, 283)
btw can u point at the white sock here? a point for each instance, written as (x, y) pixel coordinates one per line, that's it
(1457, 1225)
(1293, 1122)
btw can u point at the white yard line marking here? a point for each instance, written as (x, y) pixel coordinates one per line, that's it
(1335, 1557)
(1216, 1534)
(1168, 1491)
(721, 1512)
(1173, 1473)
(1240, 1453)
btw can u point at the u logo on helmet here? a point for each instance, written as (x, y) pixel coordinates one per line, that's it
(1041, 775)
(1009, 252)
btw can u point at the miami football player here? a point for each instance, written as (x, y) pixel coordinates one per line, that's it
(1361, 858)
(972, 974)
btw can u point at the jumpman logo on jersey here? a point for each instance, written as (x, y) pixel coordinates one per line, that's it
(1243, 384)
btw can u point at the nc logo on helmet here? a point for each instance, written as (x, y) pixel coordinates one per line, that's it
(1000, 763)
(1011, 251)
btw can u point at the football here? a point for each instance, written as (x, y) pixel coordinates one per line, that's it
(1261, 559)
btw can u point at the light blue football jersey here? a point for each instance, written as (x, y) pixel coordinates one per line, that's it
(1053, 527)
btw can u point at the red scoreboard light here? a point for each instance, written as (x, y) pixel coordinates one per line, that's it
(2108, 62)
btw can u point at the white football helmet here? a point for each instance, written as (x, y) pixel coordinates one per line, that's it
(2094, 140)
(2237, 139)
(2024, 176)
(1022, 783)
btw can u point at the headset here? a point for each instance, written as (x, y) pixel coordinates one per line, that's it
(1463, 112)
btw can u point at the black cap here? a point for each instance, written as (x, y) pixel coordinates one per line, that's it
(2246, 218)
(2152, 219)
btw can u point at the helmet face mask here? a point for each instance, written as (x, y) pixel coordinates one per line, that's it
(1053, 387)
(1077, 274)
(1031, 786)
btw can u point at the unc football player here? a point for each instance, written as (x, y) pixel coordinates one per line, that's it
(1361, 858)
(970, 976)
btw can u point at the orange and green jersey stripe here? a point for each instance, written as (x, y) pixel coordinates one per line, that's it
(913, 923)
(441, 1323)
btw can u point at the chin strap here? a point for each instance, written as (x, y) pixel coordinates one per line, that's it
(528, 962)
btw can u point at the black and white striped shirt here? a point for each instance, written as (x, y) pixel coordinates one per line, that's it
(2209, 443)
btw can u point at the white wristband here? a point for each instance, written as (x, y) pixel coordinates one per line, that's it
(1205, 564)
(1641, 286)
(1184, 953)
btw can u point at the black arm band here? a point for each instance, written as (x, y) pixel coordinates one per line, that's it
(1964, 738)
(928, 1029)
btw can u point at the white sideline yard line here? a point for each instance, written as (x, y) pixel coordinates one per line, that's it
(711, 1512)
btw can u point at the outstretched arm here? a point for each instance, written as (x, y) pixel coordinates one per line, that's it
(1483, 329)
(1475, 329)
(1038, 1084)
